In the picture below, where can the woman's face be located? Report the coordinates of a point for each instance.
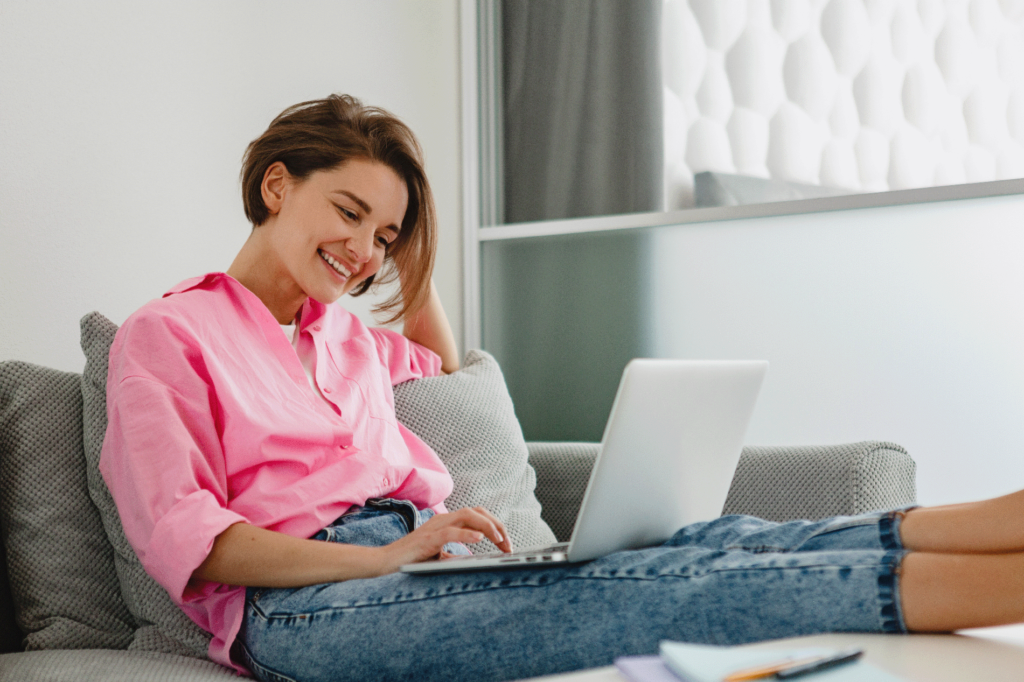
(330, 231)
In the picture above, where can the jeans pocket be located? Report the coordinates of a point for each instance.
(260, 671)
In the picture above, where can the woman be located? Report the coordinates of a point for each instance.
(263, 480)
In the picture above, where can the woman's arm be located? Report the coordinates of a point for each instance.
(255, 557)
(429, 327)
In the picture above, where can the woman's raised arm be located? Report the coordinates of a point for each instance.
(429, 327)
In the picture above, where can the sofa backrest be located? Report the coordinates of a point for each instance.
(63, 587)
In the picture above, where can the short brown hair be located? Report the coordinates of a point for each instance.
(325, 133)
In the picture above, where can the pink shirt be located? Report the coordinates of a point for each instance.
(212, 421)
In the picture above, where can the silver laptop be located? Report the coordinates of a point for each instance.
(667, 459)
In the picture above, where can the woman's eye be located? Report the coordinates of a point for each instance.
(383, 241)
(348, 214)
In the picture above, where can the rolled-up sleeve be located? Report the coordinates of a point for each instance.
(163, 462)
(405, 359)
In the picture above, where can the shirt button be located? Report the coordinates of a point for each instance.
(316, 327)
(327, 390)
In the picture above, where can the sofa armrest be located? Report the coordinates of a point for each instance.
(815, 482)
(775, 483)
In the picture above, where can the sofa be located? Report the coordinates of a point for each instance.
(75, 603)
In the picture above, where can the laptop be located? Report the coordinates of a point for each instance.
(667, 459)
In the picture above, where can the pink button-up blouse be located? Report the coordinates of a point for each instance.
(212, 421)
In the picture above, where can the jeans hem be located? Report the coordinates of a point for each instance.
(889, 582)
(889, 527)
(889, 593)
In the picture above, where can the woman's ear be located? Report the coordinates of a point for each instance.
(275, 180)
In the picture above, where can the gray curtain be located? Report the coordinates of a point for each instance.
(582, 137)
(582, 91)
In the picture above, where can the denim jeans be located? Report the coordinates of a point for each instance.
(733, 580)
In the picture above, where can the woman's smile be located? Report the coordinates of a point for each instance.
(336, 265)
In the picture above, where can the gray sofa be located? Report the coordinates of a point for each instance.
(73, 605)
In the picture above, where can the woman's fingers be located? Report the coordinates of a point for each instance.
(484, 521)
(467, 526)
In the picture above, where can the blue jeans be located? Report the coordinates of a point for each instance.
(733, 580)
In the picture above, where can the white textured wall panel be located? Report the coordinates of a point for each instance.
(865, 96)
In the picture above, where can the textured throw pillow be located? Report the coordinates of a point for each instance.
(162, 626)
(61, 566)
(468, 419)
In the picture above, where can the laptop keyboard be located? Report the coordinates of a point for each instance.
(531, 554)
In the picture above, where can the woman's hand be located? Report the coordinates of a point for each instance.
(468, 525)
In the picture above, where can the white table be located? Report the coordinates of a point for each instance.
(989, 654)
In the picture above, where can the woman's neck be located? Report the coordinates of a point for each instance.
(256, 270)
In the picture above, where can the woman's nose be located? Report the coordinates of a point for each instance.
(361, 247)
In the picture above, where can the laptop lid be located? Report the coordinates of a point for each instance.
(668, 454)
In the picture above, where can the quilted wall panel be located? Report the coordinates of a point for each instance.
(863, 95)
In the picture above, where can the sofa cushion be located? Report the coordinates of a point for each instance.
(110, 666)
(62, 579)
(162, 626)
(468, 419)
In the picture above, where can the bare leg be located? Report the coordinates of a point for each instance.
(989, 526)
(945, 592)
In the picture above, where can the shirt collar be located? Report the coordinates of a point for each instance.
(310, 312)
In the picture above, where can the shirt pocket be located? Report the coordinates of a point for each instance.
(358, 384)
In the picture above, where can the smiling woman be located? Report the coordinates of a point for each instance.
(324, 135)
(264, 480)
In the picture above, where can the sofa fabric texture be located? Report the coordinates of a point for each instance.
(563, 471)
(774, 483)
(61, 566)
(483, 448)
(814, 482)
(99, 665)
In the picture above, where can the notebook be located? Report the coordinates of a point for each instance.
(703, 663)
(667, 459)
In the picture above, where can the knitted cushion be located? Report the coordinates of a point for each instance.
(110, 666)
(162, 626)
(61, 566)
(468, 419)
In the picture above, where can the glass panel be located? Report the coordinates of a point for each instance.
(563, 315)
(899, 323)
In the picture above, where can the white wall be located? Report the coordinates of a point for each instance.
(901, 323)
(122, 126)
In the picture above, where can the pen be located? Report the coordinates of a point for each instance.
(828, 662)
(793, 667)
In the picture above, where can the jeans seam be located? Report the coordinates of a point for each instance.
(407, 600)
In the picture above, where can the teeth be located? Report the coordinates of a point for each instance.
(341, 269)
